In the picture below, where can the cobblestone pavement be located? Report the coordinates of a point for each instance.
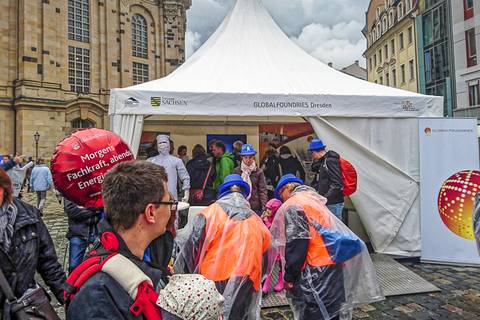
(459, 298)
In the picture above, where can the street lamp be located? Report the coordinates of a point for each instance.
(36, 136)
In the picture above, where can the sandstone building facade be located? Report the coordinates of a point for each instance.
(391, 45)
(60, 58)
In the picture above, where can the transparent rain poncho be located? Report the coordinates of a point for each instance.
(338, 273)
(476, 221)
(227, 243)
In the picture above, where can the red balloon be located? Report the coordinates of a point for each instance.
(80, 162)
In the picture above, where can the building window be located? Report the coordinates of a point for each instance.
(79, 20)
(380, 56)
(402, 73)
(375, 60)
(471, 47)
(386, 51)
(412, 69)
(400, 10)
(385, 24)
(392, 46)
(82, 123)
(381, 80)
(394, 77)
(391, 18)
(139, 37)
(473, 94)
(140, 73)
(408, 5)
(401, 41)
(387, 78)
(410, 35)
(79, 69)
(370, 64)
(467, 9)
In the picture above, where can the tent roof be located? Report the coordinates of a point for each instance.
(250, 67)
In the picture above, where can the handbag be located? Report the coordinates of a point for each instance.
(34, 304)
(197, 194)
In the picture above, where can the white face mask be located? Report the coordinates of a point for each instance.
(163, 147)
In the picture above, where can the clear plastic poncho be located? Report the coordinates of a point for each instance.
(338, 273)
(476, 221)
(227, 243)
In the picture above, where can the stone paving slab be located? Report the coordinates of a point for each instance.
(459, 297)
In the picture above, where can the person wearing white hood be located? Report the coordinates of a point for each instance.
(173, 166)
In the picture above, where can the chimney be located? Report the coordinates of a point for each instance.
(356, 62)
(330, 64)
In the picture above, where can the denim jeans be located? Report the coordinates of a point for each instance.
(336, 209)
(41, 198)
(77, 249)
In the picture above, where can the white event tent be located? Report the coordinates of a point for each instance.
(249, 67)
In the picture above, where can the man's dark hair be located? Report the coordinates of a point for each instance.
(128, 188)
(219, 144)
(182, 148)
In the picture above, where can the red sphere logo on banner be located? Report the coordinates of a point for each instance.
(456, 201)
(81, 160)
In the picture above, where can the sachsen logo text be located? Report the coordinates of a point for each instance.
(165, 101)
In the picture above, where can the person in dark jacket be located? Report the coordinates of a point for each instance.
(290, 164)
(328, 176)
(138, 208)
(271, 168)
(255, 178)
(198, 168)
(25, 247)
(82, 231)
(9, 162)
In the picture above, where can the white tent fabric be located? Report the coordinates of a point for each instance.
(388, 178)
(249, 67)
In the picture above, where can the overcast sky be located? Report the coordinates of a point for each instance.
(328, 30)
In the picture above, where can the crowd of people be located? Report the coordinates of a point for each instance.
(143, 264)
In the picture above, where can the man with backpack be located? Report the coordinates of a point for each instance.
(328, 176)
(118, 280)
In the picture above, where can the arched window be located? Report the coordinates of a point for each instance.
(377, 12)
(82, 123)
(139, 37)
(400, 10)
(385, 27)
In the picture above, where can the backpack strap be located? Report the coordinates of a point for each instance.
(130, 277)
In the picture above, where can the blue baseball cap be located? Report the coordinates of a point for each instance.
(233, 180)
(248, 150)
(316, 145)
(284, 180)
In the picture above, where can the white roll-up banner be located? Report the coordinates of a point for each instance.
(449, 181)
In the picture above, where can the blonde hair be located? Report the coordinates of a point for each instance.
(235, 188)
(289, 186)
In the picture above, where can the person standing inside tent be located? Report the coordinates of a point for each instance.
(202, 176)
(224, 162)
(290, 164)
(328, 176)
(271, 168)
(328, 270)
(228, 243)
(173, 166)
(255, 178)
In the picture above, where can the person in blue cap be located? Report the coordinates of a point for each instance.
(328, 176)
(328, 270)
(254, 176)
(228, 243)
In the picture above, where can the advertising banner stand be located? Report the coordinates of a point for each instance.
(449, 181)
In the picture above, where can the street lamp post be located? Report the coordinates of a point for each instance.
(36, 136)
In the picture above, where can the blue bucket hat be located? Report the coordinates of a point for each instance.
(248, 150)
(316, 145)
(284, 180)
(233, 180)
